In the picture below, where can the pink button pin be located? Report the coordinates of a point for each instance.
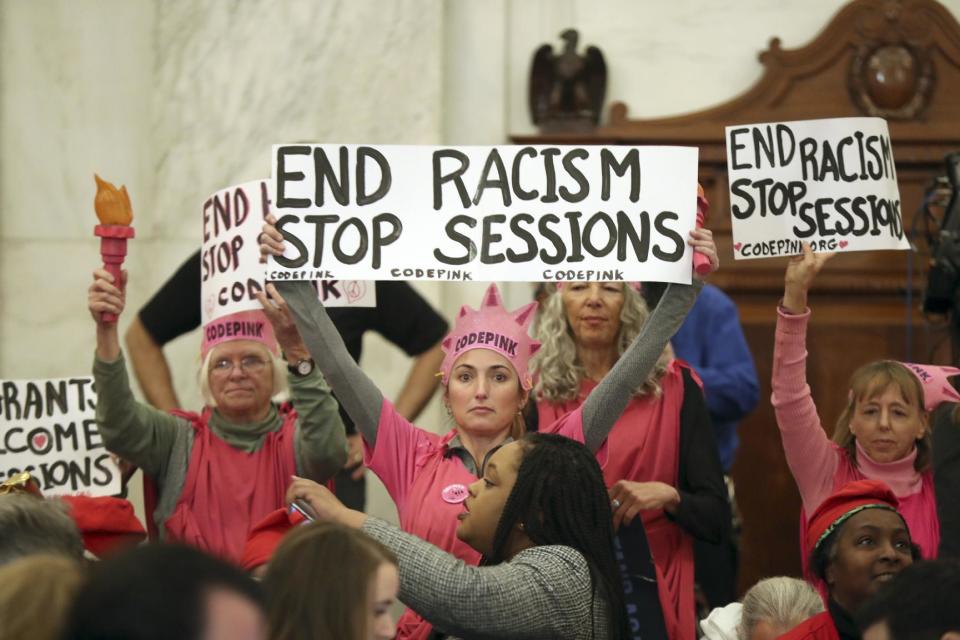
(455, 494)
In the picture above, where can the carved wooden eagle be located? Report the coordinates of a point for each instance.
(567, 90)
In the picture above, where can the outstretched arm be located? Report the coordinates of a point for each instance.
(607, 402)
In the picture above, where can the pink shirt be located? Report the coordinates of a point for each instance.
(644, 446)
(820, 466)
(416, 467)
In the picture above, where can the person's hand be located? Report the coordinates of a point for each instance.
(355, 456)
(271, 240)
(801, 271)
(103, 295)
(702, 241)
(627, 499)
(324, 506)
(284, 328)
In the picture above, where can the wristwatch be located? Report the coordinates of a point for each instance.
(303, 368)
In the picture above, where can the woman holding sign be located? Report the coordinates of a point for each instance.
(883, 432)
(486, 385)
(659, 456)
(224, 469)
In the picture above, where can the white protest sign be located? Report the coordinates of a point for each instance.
(505, 213)
(48, 427)
(831, 183)
(231, 273)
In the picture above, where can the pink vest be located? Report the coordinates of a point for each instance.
(644, 446)
(227, 491)
(415, 469)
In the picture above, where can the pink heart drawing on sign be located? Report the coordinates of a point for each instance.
(843, 244)
(210, 305)
(355, 291)
(39, 441)
(738, 246)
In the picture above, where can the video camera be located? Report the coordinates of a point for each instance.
(944, 278)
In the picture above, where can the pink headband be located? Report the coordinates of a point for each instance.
(243, 325)
(633, 284)
(496, 329)
(936, 387)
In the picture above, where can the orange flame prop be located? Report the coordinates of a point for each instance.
(111, 204)
(115, 213)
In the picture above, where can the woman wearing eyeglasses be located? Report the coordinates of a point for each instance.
(225, 468)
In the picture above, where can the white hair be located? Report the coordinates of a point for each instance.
(781, 602)
(279, 392)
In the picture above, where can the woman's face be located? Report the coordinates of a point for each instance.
(488, 495)
(241, 379)
(872, 547)
(483, 393)
(593, 312)
(383, 593)
(887, 426)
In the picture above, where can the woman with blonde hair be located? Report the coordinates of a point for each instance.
(329, 581)
(883, 431)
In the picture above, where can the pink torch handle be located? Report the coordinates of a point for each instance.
(113, 249)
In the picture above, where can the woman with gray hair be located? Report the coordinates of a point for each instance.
(223, 469)
(769, 609)
(660, 459)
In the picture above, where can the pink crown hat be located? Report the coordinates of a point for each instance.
(496, 329)
(243, 325)
(936, 387)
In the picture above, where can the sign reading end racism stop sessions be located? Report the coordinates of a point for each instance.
(832, 183)
(49, 428)
(506, 213)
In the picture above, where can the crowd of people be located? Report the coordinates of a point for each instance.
(582, 490)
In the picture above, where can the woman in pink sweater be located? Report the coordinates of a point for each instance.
(882, 434)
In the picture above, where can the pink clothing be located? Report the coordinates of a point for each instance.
(415, 467)
(227, 490)
(644, 446)
(819, 465)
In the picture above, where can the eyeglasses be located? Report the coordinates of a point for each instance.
(247, 364)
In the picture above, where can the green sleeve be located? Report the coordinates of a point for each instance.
(136, 432)
(321, 441)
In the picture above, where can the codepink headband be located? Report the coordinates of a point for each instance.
(243, 325)
(496, 329)
(936, 387)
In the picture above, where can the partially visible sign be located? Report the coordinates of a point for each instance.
(231, 273)
(832, 183)
(48, 427)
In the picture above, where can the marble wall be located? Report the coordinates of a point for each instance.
(178, 98)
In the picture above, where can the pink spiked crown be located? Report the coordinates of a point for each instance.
(496, 329)
(934, 380)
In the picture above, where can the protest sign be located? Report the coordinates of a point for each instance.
(506, 213)
(231, 272)
(831, 183)
(48, 427)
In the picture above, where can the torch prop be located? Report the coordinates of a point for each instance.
(115, 214)
(701, 263)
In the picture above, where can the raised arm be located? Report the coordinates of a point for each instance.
(607, 402)
(809, 454)
(134, 431)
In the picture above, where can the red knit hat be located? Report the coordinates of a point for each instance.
(107, 524)
(849, 500)
(265, 537)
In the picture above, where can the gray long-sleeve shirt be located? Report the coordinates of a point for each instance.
(363, 401)
(542, 592)
(160, 443)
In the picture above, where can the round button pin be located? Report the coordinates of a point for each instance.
(455, 493)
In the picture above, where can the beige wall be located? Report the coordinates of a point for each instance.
(178, 98)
